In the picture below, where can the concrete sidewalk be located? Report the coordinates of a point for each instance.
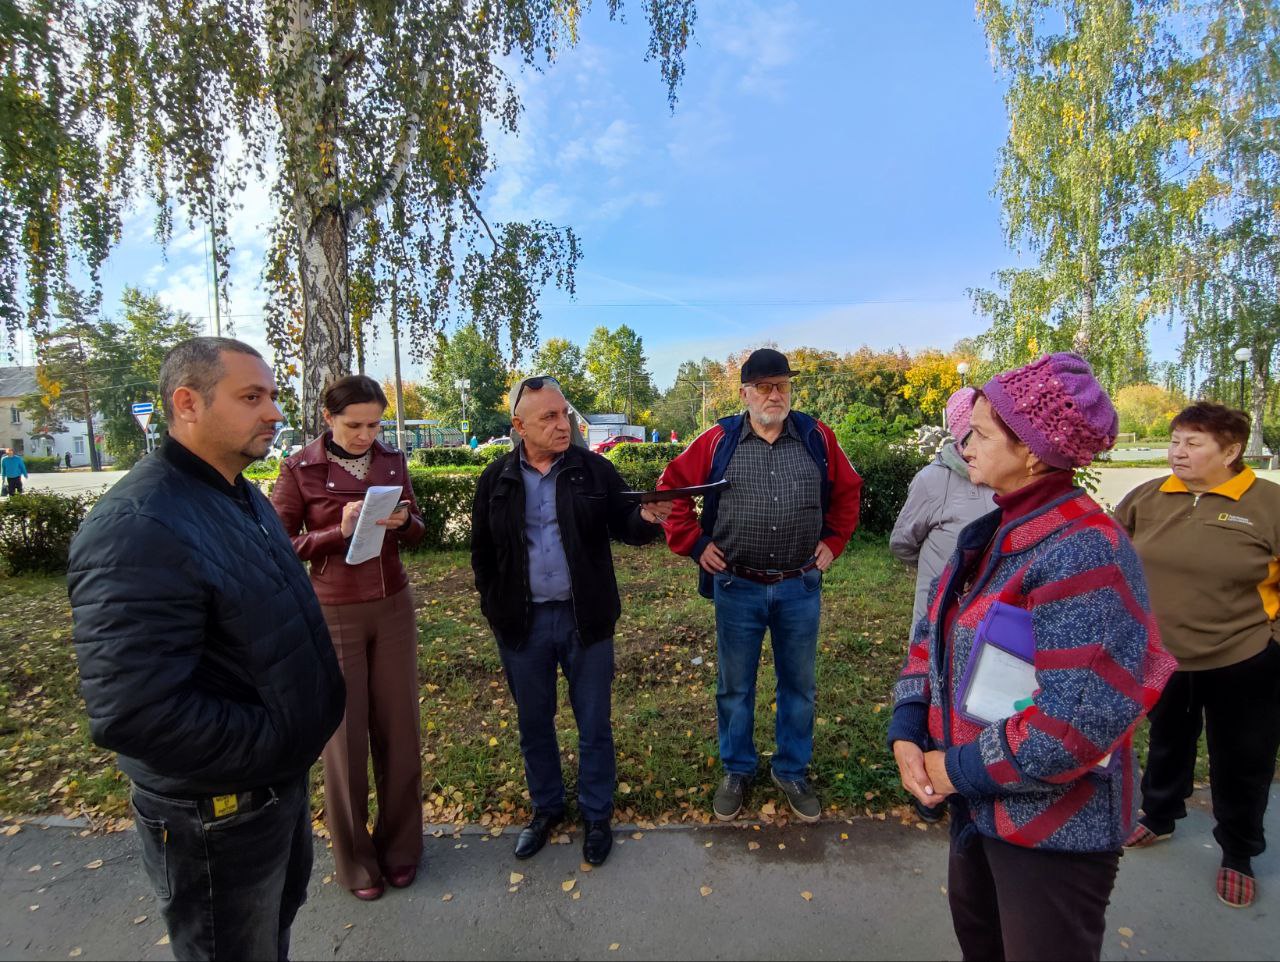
(877, 894)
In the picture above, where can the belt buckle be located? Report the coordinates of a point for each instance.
(774, 576)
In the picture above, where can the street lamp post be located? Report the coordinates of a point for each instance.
(463, 384)
(963, 370)
(1243, 356)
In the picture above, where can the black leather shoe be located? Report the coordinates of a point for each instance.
(597, 843)
(534, 835)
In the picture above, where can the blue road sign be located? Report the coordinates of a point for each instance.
(142, 407)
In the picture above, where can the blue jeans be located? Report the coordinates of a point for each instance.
(228, 887)
(790, 611)
(531, 672)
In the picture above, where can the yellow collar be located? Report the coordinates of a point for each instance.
(1233, 489)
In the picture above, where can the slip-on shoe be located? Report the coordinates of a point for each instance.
(597, 843)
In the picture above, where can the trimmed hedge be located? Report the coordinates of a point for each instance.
(886, 471)
(36, 530)
(444, 457)
(37, 464)
(445, 497)
(641, 464)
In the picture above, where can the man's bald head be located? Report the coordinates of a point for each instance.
(541, 418)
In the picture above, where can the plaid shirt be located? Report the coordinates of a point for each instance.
(771, 515)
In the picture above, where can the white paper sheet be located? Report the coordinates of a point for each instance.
(999, 679)
(379, 504)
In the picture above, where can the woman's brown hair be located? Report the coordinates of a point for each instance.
(353, 389)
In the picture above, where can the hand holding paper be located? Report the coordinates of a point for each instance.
(377, 508)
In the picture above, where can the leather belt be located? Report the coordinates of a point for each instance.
(771, 576)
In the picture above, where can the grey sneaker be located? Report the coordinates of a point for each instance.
(800, 797)
(728, 801)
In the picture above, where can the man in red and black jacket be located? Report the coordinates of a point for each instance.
(762, 545)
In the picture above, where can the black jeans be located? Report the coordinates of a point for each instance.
(13, 485)
(1010, 902)
(531, 672)
(228, 887)
(1239, 708)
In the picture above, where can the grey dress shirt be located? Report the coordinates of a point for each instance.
(548, 566)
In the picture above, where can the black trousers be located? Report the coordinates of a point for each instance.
(1238, 706)
(13, 485)
(228, 886)
(1010, 902)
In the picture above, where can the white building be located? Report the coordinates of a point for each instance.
(16, 427)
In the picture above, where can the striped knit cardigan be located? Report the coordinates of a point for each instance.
(1032, 779)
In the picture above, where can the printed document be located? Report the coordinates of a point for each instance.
(999, 679)
(379, 504)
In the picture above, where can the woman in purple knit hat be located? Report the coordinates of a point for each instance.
(1036, 658)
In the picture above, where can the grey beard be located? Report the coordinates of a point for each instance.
(769, 420)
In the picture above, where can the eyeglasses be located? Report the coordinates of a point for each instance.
(765, 388)
(533, 384)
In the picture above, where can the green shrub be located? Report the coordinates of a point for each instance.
(488, 453)
(37, 464)
(886, 471)
(262, 470)
(1271, 436)
(36, 530)
(640, 464)
(445, 457)
(445, 497)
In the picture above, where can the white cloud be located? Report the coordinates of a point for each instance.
(765, 39)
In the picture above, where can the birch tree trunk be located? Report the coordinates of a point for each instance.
(326, 333)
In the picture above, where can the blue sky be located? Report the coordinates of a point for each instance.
(825, 180)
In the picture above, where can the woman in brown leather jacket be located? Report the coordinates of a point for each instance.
(370, 612)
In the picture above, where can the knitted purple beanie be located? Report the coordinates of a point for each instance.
(1056, 408)
(959, 411)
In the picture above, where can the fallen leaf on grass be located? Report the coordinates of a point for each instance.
(752, 846)
(705, 891)
(95, 864)
(568, 886)
(807, 896)
(1125, 931)
(768, 809)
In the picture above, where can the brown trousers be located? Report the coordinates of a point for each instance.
(377, 647)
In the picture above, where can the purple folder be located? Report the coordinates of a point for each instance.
(1009, 629)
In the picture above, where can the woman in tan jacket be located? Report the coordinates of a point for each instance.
(370, 612)
(1209, 535)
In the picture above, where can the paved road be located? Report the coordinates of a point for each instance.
(876, 895)
(74, 482)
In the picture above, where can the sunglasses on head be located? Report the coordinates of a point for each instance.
(533, 384)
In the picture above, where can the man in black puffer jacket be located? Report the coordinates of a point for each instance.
(205, 661)
(540, 550)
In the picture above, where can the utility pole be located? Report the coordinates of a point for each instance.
(395, 344)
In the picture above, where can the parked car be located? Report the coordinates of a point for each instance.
(502, 441)
(609, 443)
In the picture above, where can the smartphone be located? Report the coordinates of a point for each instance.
(401, 506)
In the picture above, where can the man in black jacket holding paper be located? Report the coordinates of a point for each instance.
(205, 661)
(540, 533)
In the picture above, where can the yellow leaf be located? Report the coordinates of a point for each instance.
(447, 897)
(624, 789)
(576, 896)
(752, 846)
(807, 896)
(782, 845)
(492, 741)
(568, 886)
(614, 946)
(584, 867)
(515, 879)
(1125, 931)
(139, 920)
(705, 891)
(768, 809)
(76, 952)
(96, 863)
(163, 940)
(637, 835)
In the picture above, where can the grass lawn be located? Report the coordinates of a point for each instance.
(664, 709)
